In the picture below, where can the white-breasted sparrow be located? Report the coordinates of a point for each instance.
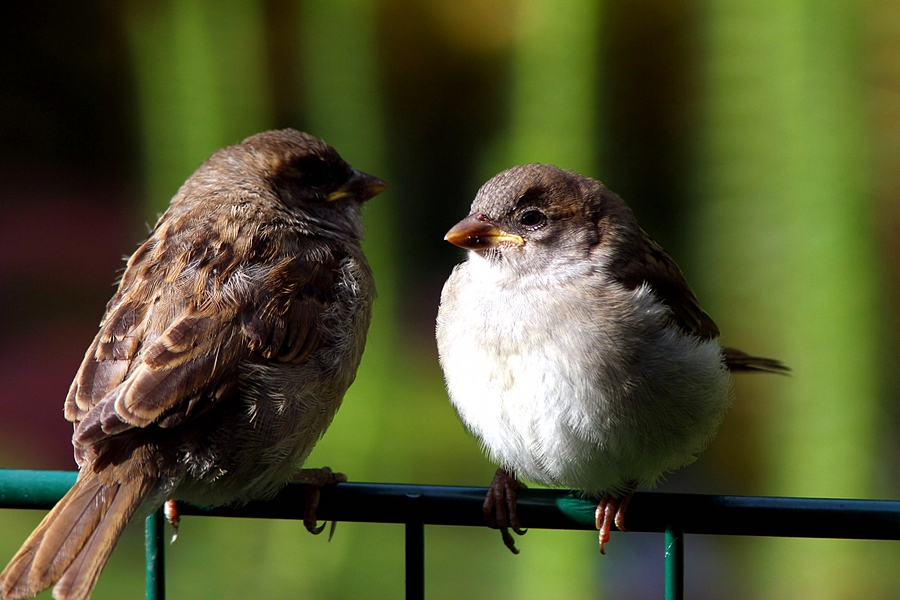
(572, 346)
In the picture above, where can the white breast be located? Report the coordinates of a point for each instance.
(584, 386)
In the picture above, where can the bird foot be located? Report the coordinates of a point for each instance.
(170, 509)
(611, 509)
(314, 479)
(500, 507)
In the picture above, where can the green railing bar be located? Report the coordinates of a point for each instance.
(674, 562)
(415, 560)
(420, 505)
(415, 549)
(33, 489)
(154, 551)
(538, 508)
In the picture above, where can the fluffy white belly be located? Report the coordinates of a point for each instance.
(607, 397)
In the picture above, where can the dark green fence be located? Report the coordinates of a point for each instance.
(418, 505)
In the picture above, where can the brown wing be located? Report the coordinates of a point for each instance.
(655, 267)
(283, 323)
(147, 366)
(660, 271)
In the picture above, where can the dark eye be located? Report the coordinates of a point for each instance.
(532, 219)
(315, 180)
(314, 172)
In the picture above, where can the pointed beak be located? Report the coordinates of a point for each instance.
(477, 232)
(361, 187)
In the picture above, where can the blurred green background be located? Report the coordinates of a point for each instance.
(759, 142)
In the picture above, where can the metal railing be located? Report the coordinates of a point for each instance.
(418, 505)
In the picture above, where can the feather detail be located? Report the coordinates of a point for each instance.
(174, 373)
(658, 269)
(75, 539)
(741, 362)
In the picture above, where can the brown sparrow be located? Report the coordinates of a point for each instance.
(572, 346)
(223, 356)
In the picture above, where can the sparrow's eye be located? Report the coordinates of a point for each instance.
(314, 172)
(532, 219)
(316, 179)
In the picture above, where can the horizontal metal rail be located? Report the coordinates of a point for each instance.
(418, 505)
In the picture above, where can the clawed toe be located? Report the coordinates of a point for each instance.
(611, 509)
(500, 508)
(315, 479)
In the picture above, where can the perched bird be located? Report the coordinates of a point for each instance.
(222, 358)
(573, 348)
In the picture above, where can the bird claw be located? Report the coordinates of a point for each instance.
(499, 508)
(313, 527)
(314, 479)
(170, 510)
(611, 509)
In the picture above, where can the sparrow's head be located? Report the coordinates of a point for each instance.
(306, 177)
(306, 171)
(535, 215)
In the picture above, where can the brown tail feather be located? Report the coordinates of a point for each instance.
(741, 362)
(73, 542)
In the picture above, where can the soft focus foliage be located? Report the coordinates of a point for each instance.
(757, 141)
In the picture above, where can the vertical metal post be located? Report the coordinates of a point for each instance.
(154, 552)
(674, 561)
(415, 550)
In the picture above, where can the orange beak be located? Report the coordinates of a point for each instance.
(477, 232)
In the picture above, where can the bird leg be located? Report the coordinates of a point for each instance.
(314, 479)
(170, 509)
(500, 507)
(612, 509)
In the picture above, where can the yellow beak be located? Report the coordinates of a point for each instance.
(477, 232)
(361, 186)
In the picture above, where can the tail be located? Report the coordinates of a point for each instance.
(741, 362)
(71, 545)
